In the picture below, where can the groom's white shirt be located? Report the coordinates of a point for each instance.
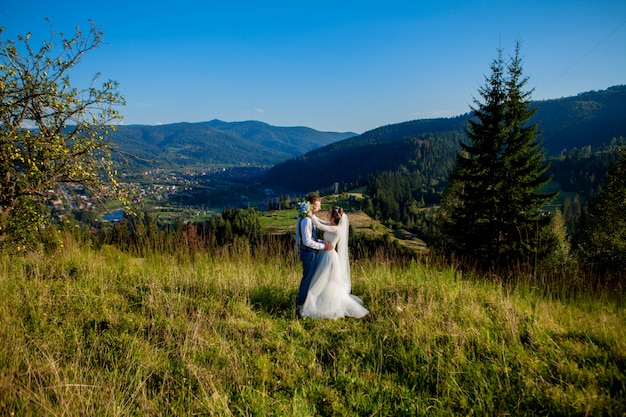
(305, 226)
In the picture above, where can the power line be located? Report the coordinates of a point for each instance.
(584, 56)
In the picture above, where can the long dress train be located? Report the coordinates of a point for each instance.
(329, 293)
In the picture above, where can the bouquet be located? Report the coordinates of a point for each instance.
(304, 209)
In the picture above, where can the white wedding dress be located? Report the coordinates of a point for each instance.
(329, 294)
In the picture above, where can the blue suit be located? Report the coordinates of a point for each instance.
(306, 236)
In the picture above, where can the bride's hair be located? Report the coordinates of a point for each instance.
(335, 214)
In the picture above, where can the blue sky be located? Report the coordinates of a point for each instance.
(330, 65)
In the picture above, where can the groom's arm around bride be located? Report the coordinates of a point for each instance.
(309, 244)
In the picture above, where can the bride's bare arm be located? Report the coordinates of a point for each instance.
(324, 225)
(326, 222)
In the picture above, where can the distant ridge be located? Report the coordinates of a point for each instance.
(290, 140)
(592, 118)
(249, 143)
(303, 159)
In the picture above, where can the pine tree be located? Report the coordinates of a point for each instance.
(490, 209)
(523, 169)
(557, 243)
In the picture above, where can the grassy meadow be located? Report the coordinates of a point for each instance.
(90, 332)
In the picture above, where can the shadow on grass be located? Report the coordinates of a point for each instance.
(274, 301)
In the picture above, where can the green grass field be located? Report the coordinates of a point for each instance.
(284, 221)
(88, 332)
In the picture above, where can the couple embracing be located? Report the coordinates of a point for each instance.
(325, 289)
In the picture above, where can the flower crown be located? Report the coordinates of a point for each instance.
(304, 209)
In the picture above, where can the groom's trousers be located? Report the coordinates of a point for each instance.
(308, 257)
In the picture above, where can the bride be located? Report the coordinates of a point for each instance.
(329, 292)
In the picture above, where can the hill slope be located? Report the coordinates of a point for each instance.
(218, 143)
(103, 332)
(588, 119)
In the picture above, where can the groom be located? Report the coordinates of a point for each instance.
(306, 237)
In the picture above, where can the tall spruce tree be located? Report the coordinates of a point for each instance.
(491, 208)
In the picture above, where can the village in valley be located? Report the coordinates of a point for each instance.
(189, 195)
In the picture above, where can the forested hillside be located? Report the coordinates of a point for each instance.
(293, 141)
(589, 119)
(427, 145)
(189, 145)
(192, 145)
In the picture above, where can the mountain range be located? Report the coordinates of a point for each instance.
(302, 159)
(217, 143)
(429, 146)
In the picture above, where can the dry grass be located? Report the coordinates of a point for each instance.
(103, 333)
